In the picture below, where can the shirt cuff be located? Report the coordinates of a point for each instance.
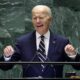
(72, 56)
(7, 58)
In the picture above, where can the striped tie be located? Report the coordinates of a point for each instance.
(41, 52)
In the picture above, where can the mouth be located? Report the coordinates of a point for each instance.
(40, 25)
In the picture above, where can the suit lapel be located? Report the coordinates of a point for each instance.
(33, 45)
(52, 45)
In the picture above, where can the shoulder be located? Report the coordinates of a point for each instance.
(60, 38)
(26, 37)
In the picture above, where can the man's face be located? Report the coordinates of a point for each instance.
(41, 20)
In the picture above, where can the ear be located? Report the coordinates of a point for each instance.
(50, 18)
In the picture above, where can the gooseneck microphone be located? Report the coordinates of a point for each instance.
(48, 60)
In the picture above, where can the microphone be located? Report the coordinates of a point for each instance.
(32, 59)
(51, 65)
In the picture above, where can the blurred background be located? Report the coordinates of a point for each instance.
(15, 20)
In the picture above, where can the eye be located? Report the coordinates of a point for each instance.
(34, 18)
(41, 17)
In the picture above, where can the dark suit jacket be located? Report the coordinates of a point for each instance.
(25, 50)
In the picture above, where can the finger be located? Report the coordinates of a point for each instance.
(69, 47)
(8, 51)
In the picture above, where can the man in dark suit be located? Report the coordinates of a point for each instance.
(57, 48)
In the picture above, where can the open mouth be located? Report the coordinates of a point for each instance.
(41, 25)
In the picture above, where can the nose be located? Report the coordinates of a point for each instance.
(37, 20)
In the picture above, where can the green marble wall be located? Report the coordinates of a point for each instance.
(15, 20)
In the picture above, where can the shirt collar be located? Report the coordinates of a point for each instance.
(46, 35)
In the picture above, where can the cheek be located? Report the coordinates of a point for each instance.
(33, 22)
(47, 23)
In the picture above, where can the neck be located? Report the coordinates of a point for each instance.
(42, 33)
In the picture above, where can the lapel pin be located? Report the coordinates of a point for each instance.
(54, 42)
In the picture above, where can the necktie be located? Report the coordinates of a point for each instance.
(41, 51)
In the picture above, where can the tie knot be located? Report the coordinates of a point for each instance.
(42, 37)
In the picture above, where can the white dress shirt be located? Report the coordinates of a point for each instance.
(46, 41)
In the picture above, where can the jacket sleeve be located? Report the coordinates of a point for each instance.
(76, 64)
(5, 65)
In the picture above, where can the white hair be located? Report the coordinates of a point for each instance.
(43, 6)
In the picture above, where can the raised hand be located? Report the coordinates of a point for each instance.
(70, 50)
(8, 51)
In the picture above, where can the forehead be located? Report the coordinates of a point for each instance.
(39, 10)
